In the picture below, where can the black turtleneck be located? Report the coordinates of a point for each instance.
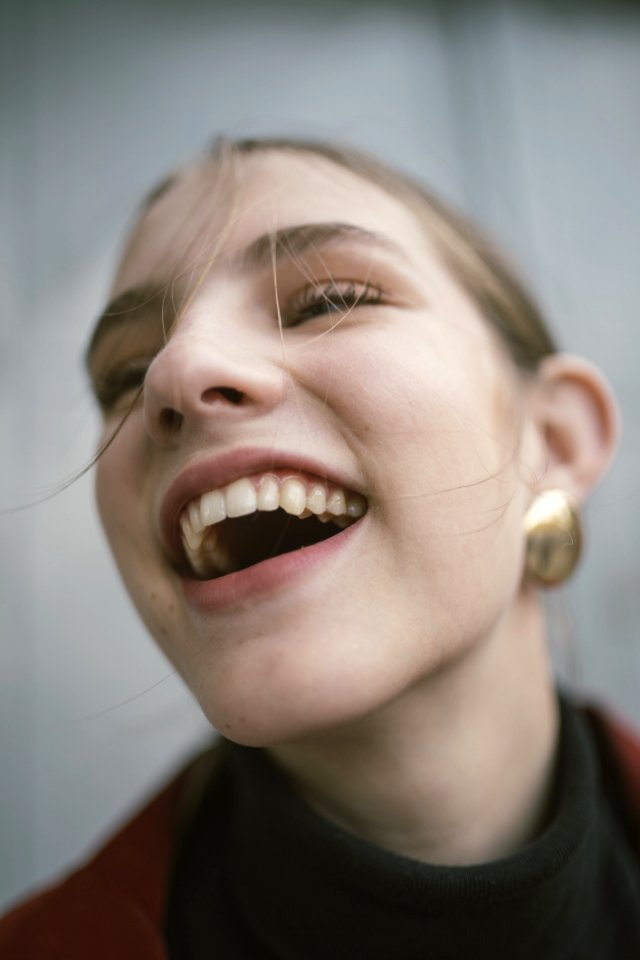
(259, 876)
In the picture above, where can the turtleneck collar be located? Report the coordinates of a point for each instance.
(301, 888)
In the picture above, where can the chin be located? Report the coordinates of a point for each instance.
(260, 705)
(261, 724)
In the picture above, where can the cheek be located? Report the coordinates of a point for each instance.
(120, 486)
(123, 499)
(448, 414)
(107, 499)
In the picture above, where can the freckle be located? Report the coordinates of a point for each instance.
(153, 595)
(171, 608)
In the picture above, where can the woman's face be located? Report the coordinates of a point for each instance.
(304, 341)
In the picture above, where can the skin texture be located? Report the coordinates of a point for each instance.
(403, 684)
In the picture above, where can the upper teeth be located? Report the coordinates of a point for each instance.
(264, 492)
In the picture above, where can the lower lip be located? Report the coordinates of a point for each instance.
(266, 577)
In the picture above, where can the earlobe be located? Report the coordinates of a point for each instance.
(578, 422)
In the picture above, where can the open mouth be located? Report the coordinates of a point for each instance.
(260, 517)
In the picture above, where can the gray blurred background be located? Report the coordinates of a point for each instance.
(525, 114)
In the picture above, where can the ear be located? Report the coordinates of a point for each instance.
(578, 423)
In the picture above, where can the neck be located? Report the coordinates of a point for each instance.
(459, 769)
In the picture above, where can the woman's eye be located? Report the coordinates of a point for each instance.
(331, 298)
(116, 383)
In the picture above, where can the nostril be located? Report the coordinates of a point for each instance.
(227, 393)
(170, 419)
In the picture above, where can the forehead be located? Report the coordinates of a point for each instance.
(211, 212)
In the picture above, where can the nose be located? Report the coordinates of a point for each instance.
(194, 383)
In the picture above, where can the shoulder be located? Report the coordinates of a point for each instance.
(114, 905)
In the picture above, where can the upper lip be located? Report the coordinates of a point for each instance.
(210, 473)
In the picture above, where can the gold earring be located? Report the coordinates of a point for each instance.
(554, 538)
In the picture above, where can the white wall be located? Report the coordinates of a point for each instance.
(526, 114)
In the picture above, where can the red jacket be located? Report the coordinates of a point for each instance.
(113, 908)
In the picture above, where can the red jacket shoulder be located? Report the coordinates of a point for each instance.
(114, 905)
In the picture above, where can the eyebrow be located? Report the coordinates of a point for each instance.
(297, 239)
(265, 251)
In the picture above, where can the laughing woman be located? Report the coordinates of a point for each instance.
(341, 459)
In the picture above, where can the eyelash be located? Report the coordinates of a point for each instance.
(117, 382)
(333, 297)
